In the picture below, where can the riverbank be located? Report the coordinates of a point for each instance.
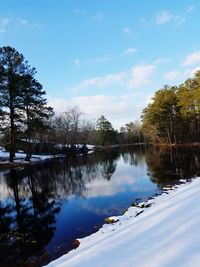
(164, 145)
(106, 147)
(20, 161)
(165, 234)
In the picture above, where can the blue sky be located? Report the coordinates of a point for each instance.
(106, 56)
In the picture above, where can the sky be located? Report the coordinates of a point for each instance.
(106, 56)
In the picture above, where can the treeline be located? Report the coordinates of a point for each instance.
(173, 116)
(70, 128)
(28, 123)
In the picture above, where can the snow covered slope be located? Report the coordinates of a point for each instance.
(165, 235)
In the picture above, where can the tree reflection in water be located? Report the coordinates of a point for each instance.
(27, 216)
(170, 165)
(30, 216)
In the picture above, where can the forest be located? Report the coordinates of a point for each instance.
(173, 116)
(27, 122)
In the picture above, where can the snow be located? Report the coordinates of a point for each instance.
(164, 235)
(20, 156)
(91, 147)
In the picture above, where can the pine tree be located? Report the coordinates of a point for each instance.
(173, 116)
(23, 106)
(12, 68)
(105, 131)
(36, 112)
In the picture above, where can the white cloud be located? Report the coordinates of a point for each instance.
(132, 78)
(24, 23)
(172, 75)
(193, 71)
(97, 17)
(193, 58)
(140, 75)
(17, 23)
(100, 104)
(166, 16)
(99, 82)
(92, 106)
(190, 9)
(162, 60)
(4, 22)
(130, 50)
(77, 62)
(163, 17)
(118, 109)
(128, 31)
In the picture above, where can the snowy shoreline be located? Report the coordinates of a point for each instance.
(20, 161)
(165, 234)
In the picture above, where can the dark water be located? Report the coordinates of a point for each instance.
(44, 208)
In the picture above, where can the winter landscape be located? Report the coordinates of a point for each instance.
(99, 133)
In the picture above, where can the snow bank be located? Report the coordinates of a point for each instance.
(164, 235)
(20, 157)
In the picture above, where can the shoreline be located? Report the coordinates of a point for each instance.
(169, 218)
(6, 165)
(176, 145)
(19, 160)
(41, 158)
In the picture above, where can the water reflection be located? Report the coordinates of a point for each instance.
(169, 165)
(44, 207)
(28, 218)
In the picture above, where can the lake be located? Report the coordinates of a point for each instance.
(44, 208)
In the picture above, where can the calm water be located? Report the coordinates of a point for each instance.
(44, 208)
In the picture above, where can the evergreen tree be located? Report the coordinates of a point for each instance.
(35, 110)
(23, 106)
(12, 68)
(105, 131)
(163, 114)
(173, 116)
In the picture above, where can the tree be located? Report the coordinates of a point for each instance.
(87, 132)
(75, 116)
(36, 112)
(67, 126)
(173, 116)
(131, 132)
(12, 69)
(189, 104)
(105, 131)
(162, 114)
(22, 100)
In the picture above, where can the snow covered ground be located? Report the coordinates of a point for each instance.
(19, 157)
(167, 234)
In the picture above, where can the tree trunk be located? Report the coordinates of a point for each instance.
(12, 134)
(169, 138)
